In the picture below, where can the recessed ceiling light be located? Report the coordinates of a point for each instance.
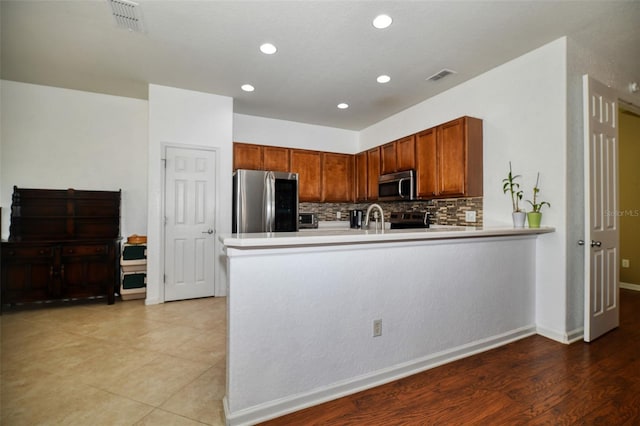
(247, 88)
(382, 21)
(383, 79)
(343, 106)
(268, 49)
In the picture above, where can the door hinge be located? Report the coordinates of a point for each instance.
(164, 278)
(164, 162)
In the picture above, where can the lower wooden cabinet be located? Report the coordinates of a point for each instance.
(36, 271)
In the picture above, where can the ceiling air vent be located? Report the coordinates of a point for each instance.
(440, 75)
(127, 14)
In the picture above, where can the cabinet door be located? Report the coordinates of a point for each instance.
(275, 158)
(337, 177)
(86, 270)
(308, 165)
(405, 153)
(27, 274)
(247, 156)
(451, 158)
(388, 158)
(361, 176)
(373, 172)
(426, 164)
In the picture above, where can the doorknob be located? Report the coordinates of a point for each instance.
(580, 242)
(208, 231)
(595, 243)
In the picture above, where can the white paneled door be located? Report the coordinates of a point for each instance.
(602, 309)
(189, 223)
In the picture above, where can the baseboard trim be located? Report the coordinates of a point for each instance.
(290, 404)
(629, 286)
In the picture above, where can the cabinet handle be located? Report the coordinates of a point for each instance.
(62, 272)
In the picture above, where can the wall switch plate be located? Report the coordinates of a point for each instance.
(377, 328)
(625, 263)
(470, 216)
(338, 215)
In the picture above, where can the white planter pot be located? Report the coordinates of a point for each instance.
(519, 219)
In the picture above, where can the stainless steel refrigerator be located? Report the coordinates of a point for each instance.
(265, 201)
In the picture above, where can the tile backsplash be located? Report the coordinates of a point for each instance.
(448, 211)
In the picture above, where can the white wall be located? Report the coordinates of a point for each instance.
(523, 105)
(184, 117)
(59, 138)
(268, 131)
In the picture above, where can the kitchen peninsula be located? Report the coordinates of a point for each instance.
(302, 306)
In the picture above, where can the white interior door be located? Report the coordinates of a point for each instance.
(602, 310)
(189, 223)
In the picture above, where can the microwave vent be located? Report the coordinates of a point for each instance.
(127, 14)
(441, 74)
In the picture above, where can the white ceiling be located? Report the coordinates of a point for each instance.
(328, 51)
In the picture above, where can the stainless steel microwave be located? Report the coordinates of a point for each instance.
(400, 186)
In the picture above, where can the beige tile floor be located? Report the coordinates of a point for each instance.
(123, 364)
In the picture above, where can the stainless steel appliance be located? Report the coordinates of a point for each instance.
(307, 221)
(407, 220)
(265, 201)
(355, 218)
(397, 186)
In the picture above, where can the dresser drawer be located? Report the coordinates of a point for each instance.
(85, 250)
(16, 252)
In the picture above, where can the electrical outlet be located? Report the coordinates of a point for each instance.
(625, 263)
(377, 328)
(338, 215)
(470, 216)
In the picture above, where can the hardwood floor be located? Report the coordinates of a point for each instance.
(531, 381)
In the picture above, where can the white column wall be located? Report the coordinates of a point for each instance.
(523, 105)
(184, 117)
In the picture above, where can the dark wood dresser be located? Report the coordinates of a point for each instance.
(63, 245)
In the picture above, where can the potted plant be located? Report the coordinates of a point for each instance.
(535, 216)
(510, 185)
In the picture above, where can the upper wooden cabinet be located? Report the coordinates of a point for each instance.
(275, 158)
(337, 177)
(373, 172)
(449, 159)
(361, 176)
(308, 165)
(426, 164)
(398, 155)
(388, 158)
(247, 156)
(260, 157)
(405, 153)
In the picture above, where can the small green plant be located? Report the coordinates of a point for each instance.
(537, 206)
(510, 185)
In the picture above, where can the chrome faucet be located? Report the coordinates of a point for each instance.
(366, 216)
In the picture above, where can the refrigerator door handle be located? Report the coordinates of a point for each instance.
(269, 201)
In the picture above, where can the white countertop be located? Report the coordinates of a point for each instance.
(333, 233)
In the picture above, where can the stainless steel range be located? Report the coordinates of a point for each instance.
(407, 220)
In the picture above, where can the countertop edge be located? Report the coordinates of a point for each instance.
(341, 237)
